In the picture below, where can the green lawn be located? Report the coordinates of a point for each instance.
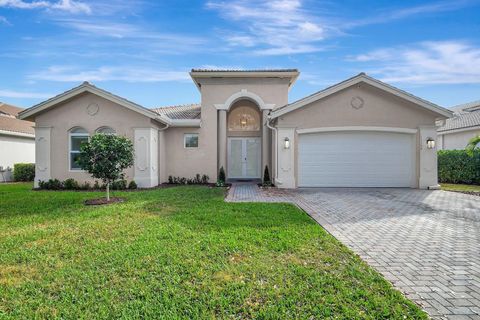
(460, 187)
(178, 253)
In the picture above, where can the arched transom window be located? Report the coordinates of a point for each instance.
(77, 136)
(106, 130)
(244, 118)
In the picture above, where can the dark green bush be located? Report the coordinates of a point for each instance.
(221, 178)
(132, 185)
(119, 185)
(266, 177)
(71, 184)
(459, 166)
(23, 171)
(198, 179)
(52, 184)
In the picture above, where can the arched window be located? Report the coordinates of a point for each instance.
(105, 130)
(244, 118)
(77, 136)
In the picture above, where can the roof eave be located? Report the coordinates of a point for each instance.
(196, 75)
(355, 80)
(86, 87)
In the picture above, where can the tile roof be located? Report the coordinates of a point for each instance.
(242, 70)
(186, 111)
(9, 122)
(466, 115)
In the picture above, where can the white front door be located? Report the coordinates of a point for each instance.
(244, 158)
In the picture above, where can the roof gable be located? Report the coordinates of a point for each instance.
(87, 87)
(362, 77)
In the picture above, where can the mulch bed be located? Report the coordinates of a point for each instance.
(102, 201)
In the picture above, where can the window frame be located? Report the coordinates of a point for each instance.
(185, 135)
(70, 151)
(100, 129)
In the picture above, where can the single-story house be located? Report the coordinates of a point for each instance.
(459, 129)
(17, 141)
(357, 133)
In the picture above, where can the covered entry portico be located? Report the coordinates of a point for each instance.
(243, 137)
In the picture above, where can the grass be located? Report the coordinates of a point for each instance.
(178, 253)
(460, 187)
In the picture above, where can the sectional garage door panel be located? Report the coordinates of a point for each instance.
(356, 159)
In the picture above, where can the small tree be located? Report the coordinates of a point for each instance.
(105, 157)
(266, 177)
(221, 178)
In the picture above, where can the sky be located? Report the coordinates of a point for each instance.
(143, 50)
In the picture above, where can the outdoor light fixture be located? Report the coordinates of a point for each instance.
(286, 143)
(430, 143)
(243, 122)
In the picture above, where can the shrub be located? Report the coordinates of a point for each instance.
(71, 184)
(97, 185)
(221, 178)
(119, 185)
(52, 184)
(86, 186)
(266, 177)
(132, 185)
(24, 171)
(459, 166)
(170, 179)
(198, 179)
(205, 179)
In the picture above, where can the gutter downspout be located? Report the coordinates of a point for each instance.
(276, 150)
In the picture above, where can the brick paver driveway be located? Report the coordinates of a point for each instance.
(427, 243)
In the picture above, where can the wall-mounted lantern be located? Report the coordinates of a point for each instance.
(430, 143)
(286, 143)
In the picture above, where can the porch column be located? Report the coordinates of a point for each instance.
(265, 144)
(222, 139)
(42, 154)
(146, 157)
(428, 159)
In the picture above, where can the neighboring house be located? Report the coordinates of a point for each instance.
(463, 126)
(358, 133)
(17, 141)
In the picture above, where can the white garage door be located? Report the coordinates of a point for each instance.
(356, 159)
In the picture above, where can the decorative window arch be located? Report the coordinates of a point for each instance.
(106, 130)
(244, 118)
(77, 136)
(247, 95)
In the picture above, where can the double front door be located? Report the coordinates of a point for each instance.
(244, 157)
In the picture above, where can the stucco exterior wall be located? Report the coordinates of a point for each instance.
(457, 140)
(15, 150)
(74, 113)
(217, 91)
(380, 109)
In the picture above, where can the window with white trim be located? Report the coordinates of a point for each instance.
(76, 137)
(106, 130)
(190, 140)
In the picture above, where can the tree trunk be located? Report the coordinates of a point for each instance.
(108, 191)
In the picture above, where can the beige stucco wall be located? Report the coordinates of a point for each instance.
(457, 140)
(380, 109)
(217, 91)
(73, 113)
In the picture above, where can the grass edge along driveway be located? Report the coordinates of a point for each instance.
(179, 253)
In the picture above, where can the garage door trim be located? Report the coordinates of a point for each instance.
(358, 128)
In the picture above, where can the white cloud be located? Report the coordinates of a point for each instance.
(4, 21)
(24, 95)
(106, 73)
(446, 62)
(272, 27)
(69, 6)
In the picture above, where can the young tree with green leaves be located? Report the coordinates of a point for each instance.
(473, 144)
(105, 156)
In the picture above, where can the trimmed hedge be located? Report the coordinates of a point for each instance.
(459, 166)
(24, 171)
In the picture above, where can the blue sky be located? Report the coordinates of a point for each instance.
(143, 50)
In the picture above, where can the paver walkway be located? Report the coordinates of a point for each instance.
(427, 243)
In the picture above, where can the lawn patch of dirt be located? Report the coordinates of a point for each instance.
(102, 201)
